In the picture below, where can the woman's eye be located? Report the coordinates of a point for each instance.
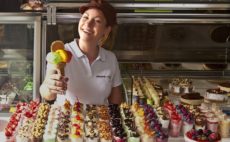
(84, 17)
(98, 21)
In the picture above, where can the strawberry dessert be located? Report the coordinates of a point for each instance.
(202, 136)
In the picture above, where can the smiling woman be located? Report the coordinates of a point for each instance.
(93, 72)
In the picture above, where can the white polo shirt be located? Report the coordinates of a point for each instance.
(91, 84)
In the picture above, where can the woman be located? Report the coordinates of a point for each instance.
(93, 73)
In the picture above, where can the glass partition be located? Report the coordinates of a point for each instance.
(19, 59)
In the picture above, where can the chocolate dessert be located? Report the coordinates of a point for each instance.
(193, 98)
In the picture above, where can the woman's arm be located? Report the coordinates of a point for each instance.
(115, 96)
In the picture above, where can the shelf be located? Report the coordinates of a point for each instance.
(181, 73)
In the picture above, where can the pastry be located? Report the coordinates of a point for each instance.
(193, 98)
(180, 86)
(216, 95)
(225, 87)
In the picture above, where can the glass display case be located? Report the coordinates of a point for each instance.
(159, 41)
(20, 50)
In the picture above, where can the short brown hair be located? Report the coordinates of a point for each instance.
(107, 9)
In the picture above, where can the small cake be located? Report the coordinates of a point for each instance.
(225, 87)
(180, 86)
(216, 95)
(193, 98)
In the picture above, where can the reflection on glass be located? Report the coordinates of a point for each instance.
(16, 64)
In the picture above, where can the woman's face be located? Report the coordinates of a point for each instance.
(92, 25)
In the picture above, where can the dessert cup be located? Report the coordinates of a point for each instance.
(224, 128)
(212, 124)
(175, 127)
(186, 127)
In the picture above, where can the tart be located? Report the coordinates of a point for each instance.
(225, 87)
(217, 95)
(192, 98)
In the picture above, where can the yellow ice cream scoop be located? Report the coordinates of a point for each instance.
(58, 53)
(65, 55)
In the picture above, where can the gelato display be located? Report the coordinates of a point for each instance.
(39, 122)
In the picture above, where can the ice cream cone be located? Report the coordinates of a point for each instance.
(61, 67)
(58, 57)
(52, 68)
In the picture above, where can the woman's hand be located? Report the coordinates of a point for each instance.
(53, 84)
(56, 83)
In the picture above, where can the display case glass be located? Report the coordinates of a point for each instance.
(190, 45)
(19, 58)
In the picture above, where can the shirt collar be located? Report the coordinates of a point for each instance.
(79, 53)
(101, 54)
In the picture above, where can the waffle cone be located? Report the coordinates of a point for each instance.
(61, 67)
(53, 67)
